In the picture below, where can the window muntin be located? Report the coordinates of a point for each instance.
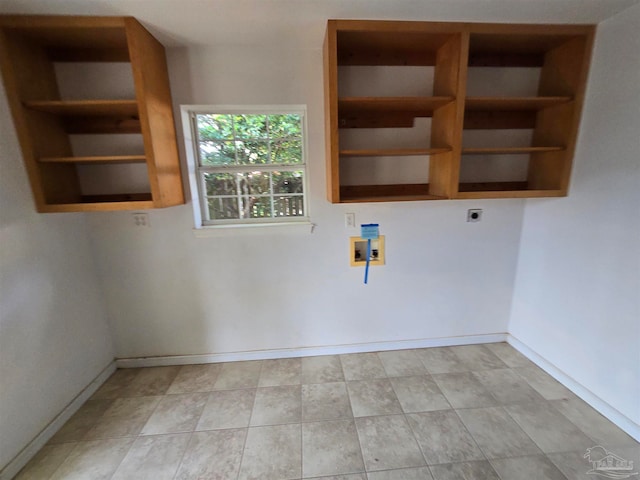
(251, 167)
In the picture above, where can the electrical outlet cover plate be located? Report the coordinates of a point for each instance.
(474, 215)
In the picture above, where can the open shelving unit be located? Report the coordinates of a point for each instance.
(47, 123)
(559, 57)
(505, 164)
(435, 56)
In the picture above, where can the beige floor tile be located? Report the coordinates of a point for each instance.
(464, 390)
(322, 369)
(443, 438)
(496, 433)
(401, 363)
(509, 355)
(237, 375)
(478, 470)
(95, 460)
(477, 357)
(330, 448)
(507, 386)
(548, 428)
(573, 465)
(124, 418)
(272, 453)
(527, 468)
(420, 473)
(227, 409)
(150, 381)
(45, 462)
(441, 360)
(325, 401)
(195, 378)
(116, 383)
(355, 476)
(361, 366)
(284, 371)
(276, 405)
(373, 397)
(176, 414)
(77, 427)
(153, 458)
(419, 394)
(597, 427)
(543, 383)
(213, 455)
(387, 443)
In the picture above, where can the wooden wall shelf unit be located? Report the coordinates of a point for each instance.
(30, 48)
(558, 54)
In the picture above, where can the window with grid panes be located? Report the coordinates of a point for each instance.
(251, 167)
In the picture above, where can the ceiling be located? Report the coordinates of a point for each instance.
(301, 23)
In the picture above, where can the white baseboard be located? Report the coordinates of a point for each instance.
(619, 419)
(27, 453)
(162, 361)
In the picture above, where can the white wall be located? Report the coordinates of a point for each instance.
(170, 293)
(577, 295)
(54, 336)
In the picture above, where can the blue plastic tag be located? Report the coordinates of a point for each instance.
(369, 231)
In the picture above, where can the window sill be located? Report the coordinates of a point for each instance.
(261, 229)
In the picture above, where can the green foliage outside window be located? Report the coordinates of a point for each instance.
(266, 145)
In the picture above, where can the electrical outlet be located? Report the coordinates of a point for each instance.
(141, 219)
(474, 215)
(350, 220)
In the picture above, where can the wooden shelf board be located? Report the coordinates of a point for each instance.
(69, 31)
(98, 54)
(393, 152)
(512, 103)
(508, 150)
(389, 46)
(502, 190)
(510, 194)
(515, 42)
(101, 108)
(386, 193)
(505, 59)
(96, 203)
(415, 105)
(96, 159)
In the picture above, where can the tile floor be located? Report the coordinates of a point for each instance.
(478, 412)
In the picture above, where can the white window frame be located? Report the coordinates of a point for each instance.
(188, 113)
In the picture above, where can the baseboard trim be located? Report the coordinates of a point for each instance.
(162, 361)
(27, 453)
(610, 412)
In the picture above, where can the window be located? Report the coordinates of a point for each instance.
(250, 164)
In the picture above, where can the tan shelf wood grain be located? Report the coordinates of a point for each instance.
(96, 159)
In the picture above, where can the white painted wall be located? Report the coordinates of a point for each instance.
(577, 295)
(170, 293)
(54, 335)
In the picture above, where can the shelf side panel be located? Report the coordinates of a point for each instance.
(446, 126)
(547, 170)
(28, 75)
(331, 113)
(562, 71)
(565, 70)
(554, 126)
(153, 93)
